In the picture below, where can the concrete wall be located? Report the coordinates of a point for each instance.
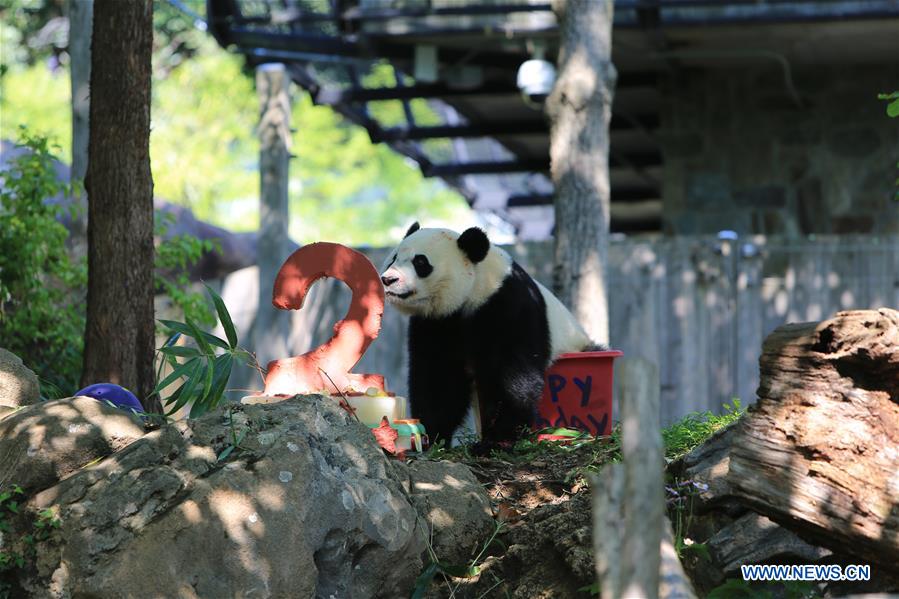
(741, 155)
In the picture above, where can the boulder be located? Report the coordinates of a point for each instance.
(287, 499)
(455, 506)
(43, 443)
(18, 384)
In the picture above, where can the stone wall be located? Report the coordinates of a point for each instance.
(741, 155)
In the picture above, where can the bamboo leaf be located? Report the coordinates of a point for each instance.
(174, 376)
(193, 379)
(423, 582)
(180, 351)
(224, 317)
(198, 336)
(179, 400)
(198, 409)
(225, 453)
(223, 366)
(185, 329)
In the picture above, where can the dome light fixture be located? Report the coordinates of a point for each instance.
(536, 77)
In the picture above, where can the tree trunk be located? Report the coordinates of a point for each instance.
(119, 336)
(81, 14)
(580, 108)
(269, 333)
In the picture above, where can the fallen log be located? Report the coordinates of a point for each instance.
(821, 447)
(811, 473)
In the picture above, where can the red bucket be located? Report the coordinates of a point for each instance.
(577, 393)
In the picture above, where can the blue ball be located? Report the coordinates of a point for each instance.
(118, 396)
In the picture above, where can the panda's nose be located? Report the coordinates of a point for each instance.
(388, 281)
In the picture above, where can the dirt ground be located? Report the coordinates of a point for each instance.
(541, 501)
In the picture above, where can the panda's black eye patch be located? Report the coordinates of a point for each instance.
(422, 267)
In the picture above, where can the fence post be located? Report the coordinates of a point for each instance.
(630, 526)
(270, 328)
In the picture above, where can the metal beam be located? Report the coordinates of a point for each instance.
(532, 165)
(503, 129)
(618, 194)
(490, 129)
(470, 9)
(485, 168)
(645, 225)
(331, 96)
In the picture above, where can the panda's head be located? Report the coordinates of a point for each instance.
(436, 272)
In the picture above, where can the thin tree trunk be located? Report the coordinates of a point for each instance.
(119, 336)
(269, 337)
(81, 15)
(580, 108)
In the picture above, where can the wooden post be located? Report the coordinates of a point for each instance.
(630, 529)
(271, 326)
(580, 108)
(81, 17)
(641, 452)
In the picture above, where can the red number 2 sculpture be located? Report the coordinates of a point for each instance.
(328, 366)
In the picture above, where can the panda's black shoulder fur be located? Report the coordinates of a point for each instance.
(501, 350)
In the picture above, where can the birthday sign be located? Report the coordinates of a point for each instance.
(577, 393)
(329, 366)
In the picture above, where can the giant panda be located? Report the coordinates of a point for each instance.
(479, 324)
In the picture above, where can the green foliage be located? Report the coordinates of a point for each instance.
(469, 570)
(33, 30)
(354, 191)
(236, 439)
(173, 259)
(204, 152)
(692, 430)
(206, 365)
(892, 100)
(42, 298)
(42, 290)
(892, 103)
(17, 547)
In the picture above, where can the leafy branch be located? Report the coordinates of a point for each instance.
(206, 365)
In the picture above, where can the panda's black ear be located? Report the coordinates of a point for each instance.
(474, 243)
(415, 227)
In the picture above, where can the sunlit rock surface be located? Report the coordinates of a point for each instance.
(43, 443)
(18, 384)
(305, 504)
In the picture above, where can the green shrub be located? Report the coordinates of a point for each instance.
(42, 298)
(174, 256)
(694, 429)
(43, 290)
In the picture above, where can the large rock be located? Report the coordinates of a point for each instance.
(18, 385)
(43, 443)
(307, 505)
(454, 505)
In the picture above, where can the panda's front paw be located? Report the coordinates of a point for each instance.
(484, 447)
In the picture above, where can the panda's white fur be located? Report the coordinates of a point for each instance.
(457, 284)
(476, 317)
